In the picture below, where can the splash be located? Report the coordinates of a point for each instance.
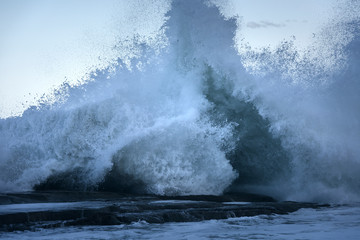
(188, 114)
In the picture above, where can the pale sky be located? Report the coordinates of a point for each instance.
(43, 42)
(267, 22)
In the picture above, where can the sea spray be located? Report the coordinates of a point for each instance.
(191, 115)
(149, 125)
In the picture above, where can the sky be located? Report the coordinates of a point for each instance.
(267, 22)
(44, 43)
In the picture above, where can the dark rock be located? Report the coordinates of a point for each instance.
(114, 209)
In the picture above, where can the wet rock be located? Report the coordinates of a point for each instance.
(28, 211)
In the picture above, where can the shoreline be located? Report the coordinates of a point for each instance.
(53, 209)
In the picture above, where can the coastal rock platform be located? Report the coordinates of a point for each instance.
(34, 210)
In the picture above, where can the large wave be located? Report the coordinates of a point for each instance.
(188, 114)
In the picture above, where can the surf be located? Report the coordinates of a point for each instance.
(188, 114)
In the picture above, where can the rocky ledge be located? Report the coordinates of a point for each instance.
(33, 210)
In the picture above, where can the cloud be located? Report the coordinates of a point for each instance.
(291, 20)
(264, 24)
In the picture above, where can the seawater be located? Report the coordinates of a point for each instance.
(337, 222)
(187, 113)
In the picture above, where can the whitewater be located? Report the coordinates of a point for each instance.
(337, 223)
(187, 114)
(191, 110)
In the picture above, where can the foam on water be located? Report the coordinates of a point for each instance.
(188, 114)
(330, 223)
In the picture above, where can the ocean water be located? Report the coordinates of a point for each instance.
(337, 222)
(186, 113)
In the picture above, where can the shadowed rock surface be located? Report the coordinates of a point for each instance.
(29, 211)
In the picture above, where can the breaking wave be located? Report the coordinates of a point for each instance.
(188, 114)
